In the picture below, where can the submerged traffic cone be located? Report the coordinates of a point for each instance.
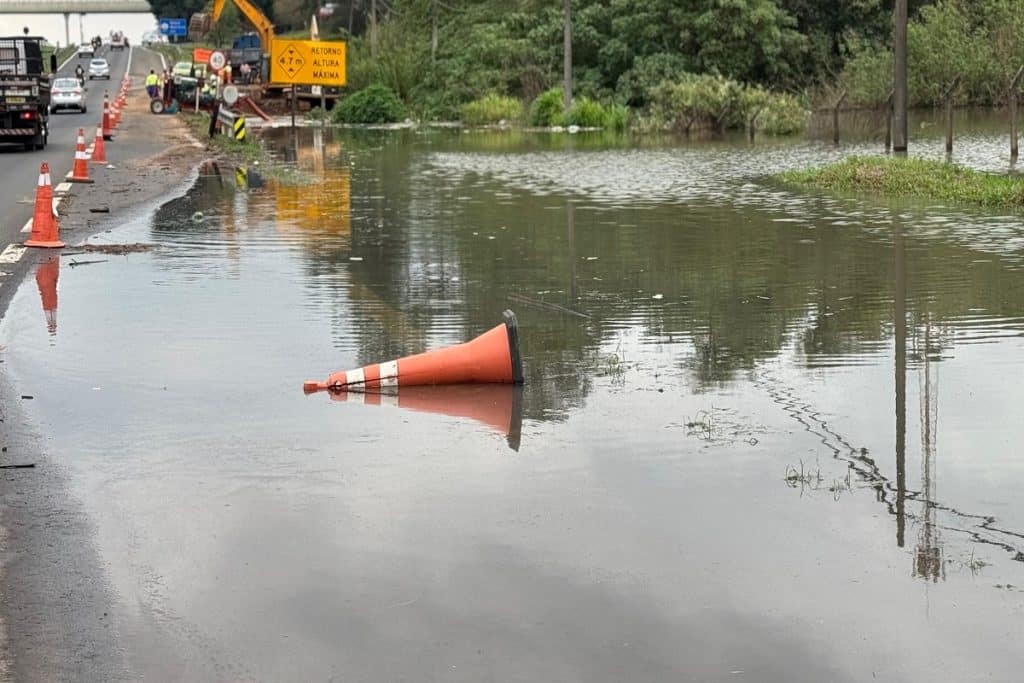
(46, 278)
(107, 134)
(99, 152)
(44, 219)
(499, 406)
(80, 171)
(493, 357)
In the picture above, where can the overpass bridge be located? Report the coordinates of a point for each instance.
(69, 7)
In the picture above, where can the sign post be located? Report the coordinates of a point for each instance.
(307, 62)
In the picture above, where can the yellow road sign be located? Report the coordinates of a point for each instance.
(307, 62)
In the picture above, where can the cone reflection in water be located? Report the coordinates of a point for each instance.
(46, 278)
(493, 357)
(499, 406)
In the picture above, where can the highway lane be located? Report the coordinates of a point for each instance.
(19, 170)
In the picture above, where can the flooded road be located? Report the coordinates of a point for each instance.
(764, 435)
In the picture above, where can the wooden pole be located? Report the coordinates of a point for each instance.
(899, 81)
(753, 123)
(433, 32)
(1013, 96)
(835, 117)
(948, 99)
(888, 122)
(373, 28)
(567, 61)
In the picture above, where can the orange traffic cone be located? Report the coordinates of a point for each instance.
(499, 406)
(80, 171)
(44, 220)
(493, 357)
(46, 278)
(99, 152)
(107, 134)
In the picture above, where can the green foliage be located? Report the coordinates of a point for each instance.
(717, 103)
(586, 113)
(979, 41)
(903, 177)
(374, 104)
(491, 108)
(616, 117)
(548, 109)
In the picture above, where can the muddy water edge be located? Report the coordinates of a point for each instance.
(765, 435)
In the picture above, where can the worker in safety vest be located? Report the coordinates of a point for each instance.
(151, 84)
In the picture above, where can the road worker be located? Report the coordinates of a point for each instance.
(151, 84)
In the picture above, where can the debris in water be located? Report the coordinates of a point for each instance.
(27, 396)
(197, 217)
(117, 248)
(18, 467)
(100, 209)
(85, 263)
(658, 296)
(355, 258)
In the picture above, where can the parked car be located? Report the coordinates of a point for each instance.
(99, 68)
(67, 93)
(86, 50)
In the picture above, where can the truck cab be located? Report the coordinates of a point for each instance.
(25, 86)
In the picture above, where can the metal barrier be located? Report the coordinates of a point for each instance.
(231, 124)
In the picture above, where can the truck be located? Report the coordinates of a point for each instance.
(244, 50)
(117, 40)
(25, 91)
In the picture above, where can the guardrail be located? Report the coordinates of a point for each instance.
(231, 123)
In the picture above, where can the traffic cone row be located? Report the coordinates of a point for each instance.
(45, 227)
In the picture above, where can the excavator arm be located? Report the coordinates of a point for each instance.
(257, 18)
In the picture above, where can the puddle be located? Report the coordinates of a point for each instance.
(758, 428)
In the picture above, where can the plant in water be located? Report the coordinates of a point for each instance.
(374, 104)
(548, 109)
(491, 108)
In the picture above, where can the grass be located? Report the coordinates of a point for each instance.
(491, 109)
(902, 177)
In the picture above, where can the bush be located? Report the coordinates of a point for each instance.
(373, 104)
(491, 109)
(548, 109)
(714, 102)
(616, 117)
(586, 113)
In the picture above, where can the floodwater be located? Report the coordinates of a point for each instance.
(764, 435)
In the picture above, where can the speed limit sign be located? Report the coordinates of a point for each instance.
(217, 60)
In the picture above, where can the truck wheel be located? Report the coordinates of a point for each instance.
(156, 106)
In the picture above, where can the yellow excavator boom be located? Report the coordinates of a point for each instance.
(204, 23)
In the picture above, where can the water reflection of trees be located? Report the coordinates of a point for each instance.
(737, 286)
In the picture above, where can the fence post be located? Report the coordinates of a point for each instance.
(888, 121)
(948, 98)
(835, 117)
(1013, 95)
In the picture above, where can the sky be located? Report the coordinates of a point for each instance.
(51, 26)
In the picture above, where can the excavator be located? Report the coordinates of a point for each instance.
(243, 48)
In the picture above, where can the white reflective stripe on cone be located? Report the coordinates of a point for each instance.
(389, 374)
(355, 377)
(42, 180)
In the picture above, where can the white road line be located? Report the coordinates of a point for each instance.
(128, 67)
(12, 253)
(28, 226)
(63, 188)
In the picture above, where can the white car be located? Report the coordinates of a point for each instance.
(67, 93)
(99, 68)
(85, 50)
